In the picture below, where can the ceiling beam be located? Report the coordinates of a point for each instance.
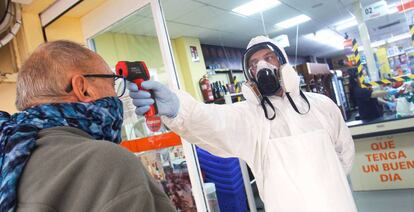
(37, 6)
(56, 10)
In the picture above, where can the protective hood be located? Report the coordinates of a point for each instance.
(287, 76)
(256, 44)
(260, 76)
(262, 40)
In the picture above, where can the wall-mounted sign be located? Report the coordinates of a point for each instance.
(348, 43)
(384, 163)
(194, 54)
(405, 6)
(348, 47)
(375, 10)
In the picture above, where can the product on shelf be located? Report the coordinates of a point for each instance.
(168, 167)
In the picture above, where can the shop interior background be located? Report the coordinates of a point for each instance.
(215, 34)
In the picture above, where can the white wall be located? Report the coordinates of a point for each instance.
(8, 97)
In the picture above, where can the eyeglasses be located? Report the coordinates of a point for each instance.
(119, 82)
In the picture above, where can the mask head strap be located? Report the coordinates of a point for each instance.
(263, 103)
(294, 105)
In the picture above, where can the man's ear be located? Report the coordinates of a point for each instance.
(82, 89)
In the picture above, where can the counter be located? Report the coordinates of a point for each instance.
(384, 154)
(382, 126)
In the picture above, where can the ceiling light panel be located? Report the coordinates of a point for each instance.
(345, 24)
(327, 37)
(293, 21)
(255, 6)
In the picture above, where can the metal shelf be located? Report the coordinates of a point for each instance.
(225, 71)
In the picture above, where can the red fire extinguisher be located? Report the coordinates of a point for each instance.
(206, 89)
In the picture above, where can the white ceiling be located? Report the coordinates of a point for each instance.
(213, 22)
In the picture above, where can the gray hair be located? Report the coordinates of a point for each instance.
(47, 71)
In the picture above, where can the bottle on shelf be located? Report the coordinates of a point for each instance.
(217, 90)
(224, 89)
(221, 90)
(213, 88)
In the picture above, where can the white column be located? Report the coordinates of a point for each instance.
(366, 43)
(193, 166)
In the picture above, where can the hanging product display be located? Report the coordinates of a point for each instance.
(163, 157)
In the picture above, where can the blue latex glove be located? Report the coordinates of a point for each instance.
(391, 105)
(392, 91)
(167, 102)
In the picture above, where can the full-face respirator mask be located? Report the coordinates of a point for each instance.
(269, 74)
(266, 78)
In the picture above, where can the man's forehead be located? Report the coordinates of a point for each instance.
(102, 66)
(262, 52)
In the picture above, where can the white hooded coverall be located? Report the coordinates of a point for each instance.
(300, 162)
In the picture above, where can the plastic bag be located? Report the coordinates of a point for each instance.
(404, 107)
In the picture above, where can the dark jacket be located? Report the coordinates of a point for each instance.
(368, 108)
(69, 171)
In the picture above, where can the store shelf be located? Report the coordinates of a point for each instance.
(233, 95)
(225, 71)
(401, 53)
(229, 72)
(236, 94)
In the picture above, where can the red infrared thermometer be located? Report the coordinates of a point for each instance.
(137, 72)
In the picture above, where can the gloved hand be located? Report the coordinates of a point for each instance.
(391, 105)
(167, 102)
(392, 91)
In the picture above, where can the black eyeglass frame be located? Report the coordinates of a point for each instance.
(69, 88)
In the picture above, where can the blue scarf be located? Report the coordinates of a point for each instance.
(101, 119)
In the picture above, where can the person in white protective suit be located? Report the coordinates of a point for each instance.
(296, 144)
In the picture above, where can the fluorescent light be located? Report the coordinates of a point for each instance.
(392, 8)
(293, 21)
(282, 41)
(327, 37)
(346, 24)
(255, 6)
(399, 37)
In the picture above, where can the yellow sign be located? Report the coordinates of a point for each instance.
(384, 163)
(382, 59)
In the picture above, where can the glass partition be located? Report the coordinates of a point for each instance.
(134, 38)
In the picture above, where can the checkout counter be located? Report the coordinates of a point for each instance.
(385, 125)
(382, 177)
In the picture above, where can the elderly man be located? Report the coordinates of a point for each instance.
(60, 152)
